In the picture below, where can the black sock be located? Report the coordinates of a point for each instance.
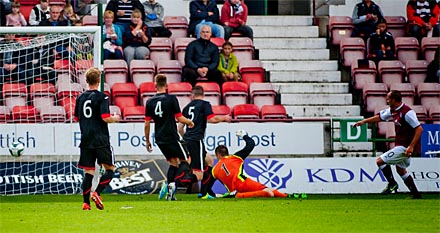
(171, 174)
(388, 174)
(207, 182)
(409, 182)
(86, 187)
(104, 181)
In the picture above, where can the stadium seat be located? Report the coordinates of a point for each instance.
(142, 71)
(107, 91)
(212, 92)
(218, 41)
(421, 112)
(42, 94)
(382, 126)
(407, 90)
(124, 95)
(251, 71)
(407, 48)
(363, 75)
(178, 25)
(429, 94)
(391, 72)
(182, 91)
(69, 89)
(273, 112)
(234, 93)
(134, 114)
(63, 66)
(416, 71)
(429, 46)
(53, 114)
(245, 111)
(374, 94)
(262, 94)
(26, 10)
(25, 114)
(146, 90)
(351, 49)
(396, 25)
(434, 114)
(5, 114)
(171, 68)
(243, 48)
(68, 103)
(29, 2)
(115, 71)
(90, 20)
(115, 110)
(339, 27)
(14, 94)
(180, 45)
(160, 49)
(80, 68)
(221, 110)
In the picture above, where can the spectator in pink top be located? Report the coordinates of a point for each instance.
(234, 18)
(15, 18)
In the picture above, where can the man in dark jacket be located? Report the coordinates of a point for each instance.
(204, 12)
(201, 59)
(365, 16)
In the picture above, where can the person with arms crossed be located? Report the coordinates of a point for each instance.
(408, 132)
(92, 112)
(200, 112)
(164, 109)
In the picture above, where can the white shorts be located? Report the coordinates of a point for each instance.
(396, 156)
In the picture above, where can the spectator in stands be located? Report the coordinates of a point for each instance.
(382, 43)
(228, 63)
(40, 62)
(54, 19)
(39, 13)
(422, 17)
(365, 16)
(7, 4)
(122, 10)
(2, 15)
(15, 18)
(204, 12)
(433, 73)
(83, 7)
(12, 62)
(201, 59)
(112, 37)
(154, 13)
(234, 18)
(137, 38)
(69, 16)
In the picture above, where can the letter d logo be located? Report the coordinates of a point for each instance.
(352, 134)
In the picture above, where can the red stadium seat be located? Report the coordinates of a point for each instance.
(434, 113)
(115, 110)
(429, 46)
(429, 94)
(339, 27)
(407, 48)
(42, 94)
(68, 103)
(80, 67)
(262, 94)
(351, 49)
(14, 94)
(416, 71)
(182, 91)
(171, 68)
(212, 92)
(29, 2)
(273, 112)
(251, 71)
(218, 41)
(142, 71)
(25, 114)
(53, 114)
(115, 71)
(124, 95)
(134, 113)
(243, 48)
(383, 126)
(396, 25)
(69, 89)
(63, 66)
(363, 75)
(421, 112)
(246, 111)
(180, 45)
(160, 49)
(5, 114)
(146, 90)
(234, 93)
(90, 20)
(391, 72)
(407, 90)
(178, 25)
(374, 94)
(26, 11)
(221, 110)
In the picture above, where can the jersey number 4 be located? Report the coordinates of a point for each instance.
(158, 109)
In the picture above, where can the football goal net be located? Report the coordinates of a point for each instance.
(42, 73)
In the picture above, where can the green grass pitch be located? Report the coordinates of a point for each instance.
(144, 213)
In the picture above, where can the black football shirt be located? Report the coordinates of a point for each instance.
(199, 111)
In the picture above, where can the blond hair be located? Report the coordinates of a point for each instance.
(109, 13)
(93, 76)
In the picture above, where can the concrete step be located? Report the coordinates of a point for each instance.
(290, 43)
(322, 111)
(304, 76)
(300, 65)
(280, 20)
(316, 99)
(289, 88)
(294, 54)
(285, 31)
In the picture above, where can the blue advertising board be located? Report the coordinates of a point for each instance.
(430, 141)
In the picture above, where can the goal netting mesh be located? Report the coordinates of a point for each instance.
(42, 73)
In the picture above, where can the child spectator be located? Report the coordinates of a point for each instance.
(381, 43)
(137, 37)
(228, 63)
(69, 16)
(112, 37)
(39, 13)
(15, 18)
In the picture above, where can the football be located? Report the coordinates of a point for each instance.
(16, 149)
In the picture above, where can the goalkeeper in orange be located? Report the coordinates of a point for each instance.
(229, 171)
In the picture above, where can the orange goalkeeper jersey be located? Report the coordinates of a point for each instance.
(229, 170)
